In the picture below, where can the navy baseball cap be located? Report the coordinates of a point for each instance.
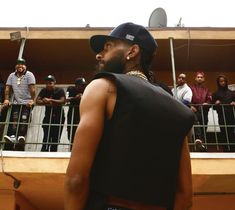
(50, 78)
(80, 81)
(131, 32)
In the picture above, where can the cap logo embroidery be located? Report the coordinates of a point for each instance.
(130, 37)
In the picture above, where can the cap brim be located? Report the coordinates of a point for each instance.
(20, 62)
(49, 80)
(80, 83)
(97, 42)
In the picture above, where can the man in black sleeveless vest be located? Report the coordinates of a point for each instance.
(130, 149)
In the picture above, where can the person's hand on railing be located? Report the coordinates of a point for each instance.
(232, 103)
(47, 100)
(75, 98)
(30, 103)
(217, 102)
(193, 108)
(78, 96)
(6, 103)
(67, 100)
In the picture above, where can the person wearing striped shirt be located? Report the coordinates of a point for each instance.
(21, 86)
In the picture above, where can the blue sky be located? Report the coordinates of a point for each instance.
(102, 13)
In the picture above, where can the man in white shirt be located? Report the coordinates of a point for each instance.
(183, 92)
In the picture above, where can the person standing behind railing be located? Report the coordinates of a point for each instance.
(224, 100)
(152, 79)
(74, 95)
(200, 105)
(2, 86)
(183, 93)
(53, 122)
(2, 114)
(22, 84)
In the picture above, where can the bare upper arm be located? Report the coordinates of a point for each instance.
(96, 106)
(32, 89)
(8, 88)
(7, 92)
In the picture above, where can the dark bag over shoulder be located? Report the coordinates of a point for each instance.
(139, 154)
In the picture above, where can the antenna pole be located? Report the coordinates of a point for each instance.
(173, 65)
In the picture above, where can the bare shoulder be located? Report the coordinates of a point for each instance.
(102, 93)
(101, 86)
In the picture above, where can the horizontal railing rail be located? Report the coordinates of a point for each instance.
(214, 126)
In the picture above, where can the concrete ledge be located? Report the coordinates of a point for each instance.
(36, 154)
(214, 155)
(42, 175)
(193, 155)
(159, 33)
(56, 162)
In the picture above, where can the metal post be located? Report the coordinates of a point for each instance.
(173, 66)
(22, 44)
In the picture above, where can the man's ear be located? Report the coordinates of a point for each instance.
(133, 51)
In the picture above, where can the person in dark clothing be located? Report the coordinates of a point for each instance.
(118, 160)
(2, 86)
(152, 79)
(53, 122)
(74, 95)
(2, 111)
(201, 96)
(224, 100)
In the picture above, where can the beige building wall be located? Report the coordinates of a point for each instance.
(7, 199)
(213, 202)
(22, 203)
(42, 181)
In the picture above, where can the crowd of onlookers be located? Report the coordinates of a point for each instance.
(21, 85)
(200, 99)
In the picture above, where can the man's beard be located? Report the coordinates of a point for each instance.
(20, 71)
(115, 65)
(200, 82)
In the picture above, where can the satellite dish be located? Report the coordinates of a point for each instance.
(158, 18)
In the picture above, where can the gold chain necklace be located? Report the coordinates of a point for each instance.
(19, 79)
(137, 74)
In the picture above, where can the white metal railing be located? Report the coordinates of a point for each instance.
(217, 134)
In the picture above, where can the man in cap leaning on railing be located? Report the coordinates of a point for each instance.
(73, 98)
(22, 84)
(53, 97)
